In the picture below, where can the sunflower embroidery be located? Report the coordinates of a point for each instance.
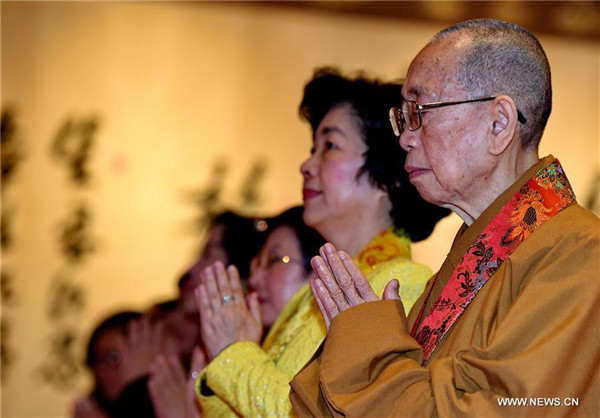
(529, 213)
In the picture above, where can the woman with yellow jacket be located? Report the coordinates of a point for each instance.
(357, 196)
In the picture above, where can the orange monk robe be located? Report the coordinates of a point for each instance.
(533, 331)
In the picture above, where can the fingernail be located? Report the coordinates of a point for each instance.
(329, 248)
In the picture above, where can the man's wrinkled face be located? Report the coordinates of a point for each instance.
(446, 155)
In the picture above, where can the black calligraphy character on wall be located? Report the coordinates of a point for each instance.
(66, 298)
(208, 198)
(72, 145)
(11, 154)
(61, 367)
(10, 145)
(249, 192)
(75, 240)
(7, 354)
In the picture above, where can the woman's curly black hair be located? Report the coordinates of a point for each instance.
(370, 101)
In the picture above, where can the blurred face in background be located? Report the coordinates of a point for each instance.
(107, 364)
(277, 272)
(181, 332)
(213, 251)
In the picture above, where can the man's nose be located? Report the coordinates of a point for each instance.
(409, 139)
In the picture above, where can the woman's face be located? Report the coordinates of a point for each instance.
(277, 272)
(332, 192)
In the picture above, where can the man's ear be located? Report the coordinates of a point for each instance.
(504, 124)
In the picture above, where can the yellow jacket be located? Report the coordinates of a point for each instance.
(251, 380)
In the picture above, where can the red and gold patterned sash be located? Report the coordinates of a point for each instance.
(542, 197)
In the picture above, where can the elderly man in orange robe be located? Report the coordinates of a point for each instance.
(510, 324)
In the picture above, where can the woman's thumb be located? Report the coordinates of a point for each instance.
(254, 307)
(392, 290)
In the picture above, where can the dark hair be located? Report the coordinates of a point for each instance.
(370, 101)
(504, 58)
(160, 309)
(118, 322)
(183, 280)
(309, 239)
(242, 239)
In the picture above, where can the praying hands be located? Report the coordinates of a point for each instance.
(339, 284)
(172, 392)
(225, 318)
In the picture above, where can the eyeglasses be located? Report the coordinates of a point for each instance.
(410, 113)
(270, 260)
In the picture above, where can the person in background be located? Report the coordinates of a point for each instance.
(356, 196)
(148, 337)
(278, 272)
(355, 193)
(282, 266)
(158, 347)
(104, 360)
(509, 325)
(153, 349)
(232, 238)
(172, 390)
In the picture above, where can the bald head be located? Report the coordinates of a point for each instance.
(502, 58)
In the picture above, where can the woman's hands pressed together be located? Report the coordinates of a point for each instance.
(172, 392)
(339, 284)
(225, 317)
(143, 342)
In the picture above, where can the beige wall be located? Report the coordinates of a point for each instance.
(178, 86)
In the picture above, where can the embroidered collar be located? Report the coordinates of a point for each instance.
(543, 196)
(390, 243)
